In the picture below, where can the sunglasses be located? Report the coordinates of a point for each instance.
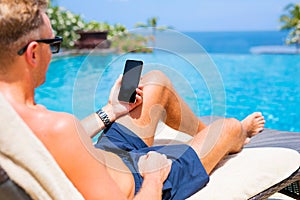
(54, 44)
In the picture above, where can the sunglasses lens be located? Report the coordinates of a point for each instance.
(55, 47)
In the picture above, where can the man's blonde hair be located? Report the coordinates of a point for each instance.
(19, 23)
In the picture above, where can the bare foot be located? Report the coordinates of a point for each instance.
(253, 124)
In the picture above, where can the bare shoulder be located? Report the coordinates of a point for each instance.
(60, 120)
(49, 125)
(58, 130)
(61, 133)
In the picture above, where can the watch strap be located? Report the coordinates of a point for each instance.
(104, 117)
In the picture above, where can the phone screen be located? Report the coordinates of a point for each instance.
(130, 80)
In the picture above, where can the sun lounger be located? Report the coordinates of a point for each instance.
(273, 138)
(271, 144)
(32, 173)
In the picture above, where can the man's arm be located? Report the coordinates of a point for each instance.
(92, 125)
(95, 173)
(114, 109)
(82, 163)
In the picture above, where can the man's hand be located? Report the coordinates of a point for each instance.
(116, 108)
(154, 166)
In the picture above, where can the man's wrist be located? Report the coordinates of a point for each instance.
(153, 179)
(106, 115)
(153, 182)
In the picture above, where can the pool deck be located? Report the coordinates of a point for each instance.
(75, 52)
(279, 49)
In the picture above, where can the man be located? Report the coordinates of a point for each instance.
(27, 41)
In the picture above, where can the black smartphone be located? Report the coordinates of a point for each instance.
(130, 81)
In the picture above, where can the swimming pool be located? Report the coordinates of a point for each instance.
(228, 85)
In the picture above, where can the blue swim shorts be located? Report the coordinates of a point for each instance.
(187, 174)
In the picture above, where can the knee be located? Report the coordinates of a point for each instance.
(157, 77)
(235, 128)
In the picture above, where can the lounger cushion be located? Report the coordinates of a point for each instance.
(242, 175)
(246, 174)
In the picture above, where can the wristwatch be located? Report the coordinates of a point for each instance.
(104, 117)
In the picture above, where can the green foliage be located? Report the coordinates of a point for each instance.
(291, 22)
(113, 30)
(66, 24)
(128, 42)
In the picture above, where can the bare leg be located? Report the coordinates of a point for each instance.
(160, 102)
(212, 143)
(223, 137)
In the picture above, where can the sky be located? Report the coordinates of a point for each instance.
(184, 15)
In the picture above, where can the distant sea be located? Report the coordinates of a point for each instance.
(237, 42)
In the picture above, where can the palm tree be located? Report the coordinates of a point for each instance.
(291, 22)
(152, 23)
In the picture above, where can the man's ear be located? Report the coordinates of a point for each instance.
(32, 53)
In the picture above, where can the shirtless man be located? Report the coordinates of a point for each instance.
(26, 44)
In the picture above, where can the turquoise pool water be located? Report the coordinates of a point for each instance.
(228, 85)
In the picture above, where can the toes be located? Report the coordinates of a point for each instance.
(257, 114)
(261, 121)
(259, 118)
